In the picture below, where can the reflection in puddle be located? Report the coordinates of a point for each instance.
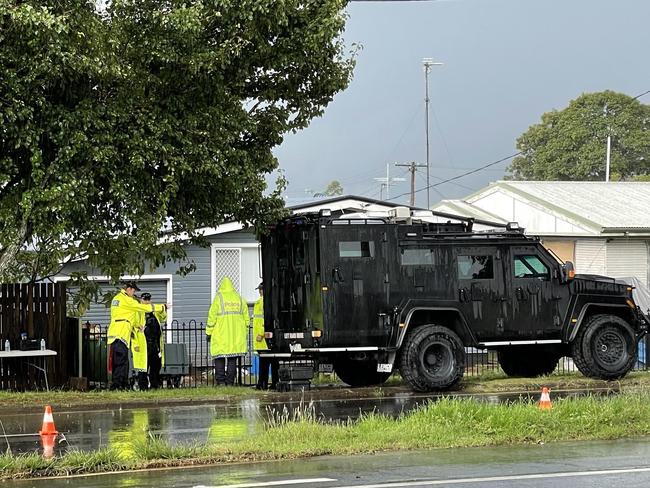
(126, 429)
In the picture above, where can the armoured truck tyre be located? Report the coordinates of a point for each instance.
(432, 358)
(357, 372)
(605, 347)
(528, 361)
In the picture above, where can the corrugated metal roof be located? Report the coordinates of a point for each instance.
(615, 205)
(460, 207)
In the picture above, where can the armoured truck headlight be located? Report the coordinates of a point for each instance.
(316, 333)
(268, 335)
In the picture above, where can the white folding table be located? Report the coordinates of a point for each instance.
(38, 356)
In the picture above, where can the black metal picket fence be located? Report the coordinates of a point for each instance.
(187, 357)
(188, 363)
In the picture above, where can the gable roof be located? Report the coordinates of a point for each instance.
(349, 203)
(343, 203)
(460, 207)
(610, 206)
(604, 207)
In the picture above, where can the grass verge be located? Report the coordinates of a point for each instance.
(443, 424)
(487, 382)
(104, 398)
(497, 381)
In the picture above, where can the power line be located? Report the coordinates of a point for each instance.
(639, 96)
(493, 163)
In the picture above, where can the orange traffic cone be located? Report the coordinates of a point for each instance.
(48, 433)
(545, 399)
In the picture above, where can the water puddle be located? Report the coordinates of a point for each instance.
(121, 428)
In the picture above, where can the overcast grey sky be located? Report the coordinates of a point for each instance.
(506, 63)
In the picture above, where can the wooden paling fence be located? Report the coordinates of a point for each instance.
(39, 310)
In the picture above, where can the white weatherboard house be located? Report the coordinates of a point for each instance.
(604, 228)
(233, 252)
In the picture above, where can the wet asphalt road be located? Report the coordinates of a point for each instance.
(89, 430)
(579, 465)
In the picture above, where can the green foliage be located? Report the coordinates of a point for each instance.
(150, 115)
(334, 188)
(570, 144)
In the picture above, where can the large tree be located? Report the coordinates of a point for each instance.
(118, 123)
(570, 144)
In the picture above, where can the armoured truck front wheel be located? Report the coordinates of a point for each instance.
(527, 361)
(356, 372)
(605, 347)
(432, 358)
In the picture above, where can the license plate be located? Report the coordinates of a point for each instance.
(384, 368)
(326, 367)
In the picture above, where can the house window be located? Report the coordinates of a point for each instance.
(242, 266)
(475, 268)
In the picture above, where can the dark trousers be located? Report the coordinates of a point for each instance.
(225, 374)
(120, 359)
(143, 381)
(154, 364)
(266, 363)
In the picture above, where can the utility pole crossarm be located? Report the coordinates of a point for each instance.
(412, 169)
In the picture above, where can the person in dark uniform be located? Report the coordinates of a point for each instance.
(155, 342)
(259, 344)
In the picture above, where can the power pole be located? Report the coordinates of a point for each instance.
(427, 63)
(412, 169)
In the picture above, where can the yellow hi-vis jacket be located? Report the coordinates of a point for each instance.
(123, 314)
(139, 343)
(259, 342)
(227, 323)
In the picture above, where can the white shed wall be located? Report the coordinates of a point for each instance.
(628, 258)
(591, 256)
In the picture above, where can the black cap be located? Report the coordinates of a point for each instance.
(146, 296)
(131, 284)
(260, 286)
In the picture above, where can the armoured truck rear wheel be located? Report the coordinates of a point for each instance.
(605, 347)
(359, 372)
(432, 358)
(527, 361)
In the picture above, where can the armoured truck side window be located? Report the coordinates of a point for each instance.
(530, 266)
(356, 249)
(475, 267)
(417, 256)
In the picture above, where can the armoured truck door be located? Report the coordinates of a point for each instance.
(536, 294)
(290, 269)
(481, 292)
(354, 279)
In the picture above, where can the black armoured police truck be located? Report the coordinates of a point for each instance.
(369, 295)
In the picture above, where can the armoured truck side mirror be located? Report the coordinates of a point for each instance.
(568, 272)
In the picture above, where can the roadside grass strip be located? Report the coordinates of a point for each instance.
(300, 433)
(489, 381)
(64, 398)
